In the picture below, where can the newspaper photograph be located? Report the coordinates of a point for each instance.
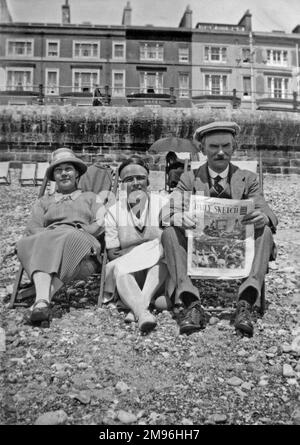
(220, 246)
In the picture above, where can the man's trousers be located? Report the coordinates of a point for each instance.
(175, 248)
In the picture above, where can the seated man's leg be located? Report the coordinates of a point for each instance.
(175, 245)
(250, 290)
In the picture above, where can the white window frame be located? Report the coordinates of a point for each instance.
(114, 88)
(85, 70)
(157, 88)
(23, 41)
(209, 55)
(271, 59)
(86, 42)
(184, 92)
(21, 69)
(51, 91)
(48, 41)
(185, 58)
(120, 42)
(222, 90)
(285, 85)
(146, 45)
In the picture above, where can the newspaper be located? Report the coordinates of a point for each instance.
(220, 247)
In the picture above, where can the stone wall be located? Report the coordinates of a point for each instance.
(31, 133)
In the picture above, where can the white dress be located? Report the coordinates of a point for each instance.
(143, 247)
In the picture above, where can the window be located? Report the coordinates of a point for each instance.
(20, 48)
(85, 80)
(247, 86)
(118, 82)
(151, 51)
(184, 84)
(19, 79)
(118, 50)
(246, 55)
(278, 87)
(183, 55)
(52, 81)
(86, 49)
(53, 48)
(151, 82)
(277, 57)
(216, 84)
(215, 54)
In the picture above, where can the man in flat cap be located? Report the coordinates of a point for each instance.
(218, 177)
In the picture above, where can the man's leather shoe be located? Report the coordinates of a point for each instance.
(242, 319)
(193, 320)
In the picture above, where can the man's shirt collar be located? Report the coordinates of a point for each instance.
(223, 174)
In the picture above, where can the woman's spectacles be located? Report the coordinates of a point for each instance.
(137, 178)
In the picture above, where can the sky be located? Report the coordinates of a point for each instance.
(267, 15)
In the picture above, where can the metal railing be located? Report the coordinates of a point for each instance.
(62, 92)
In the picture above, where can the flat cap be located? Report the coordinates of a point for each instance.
(229, 126)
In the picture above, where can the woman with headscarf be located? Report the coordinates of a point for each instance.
(132, 236)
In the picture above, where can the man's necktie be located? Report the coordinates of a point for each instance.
(219, 189)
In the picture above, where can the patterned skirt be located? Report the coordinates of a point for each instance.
(57, 251)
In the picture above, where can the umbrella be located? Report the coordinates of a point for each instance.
(178, 145)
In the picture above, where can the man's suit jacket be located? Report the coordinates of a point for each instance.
(243, 185)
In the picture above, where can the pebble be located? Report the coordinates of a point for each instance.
(186, 421)
(213, 320)
(292, 382)
(295, 346)
(82, 365)
(263, 382)
(122, 387)
(275, 369)
(242, 353)
(286, 348)
(126, 417)
(218, 418)
(240, 392)
(287, 370)
(296, 417)
(84, 397)
(52, 418)
(247, 386)
(234, 381)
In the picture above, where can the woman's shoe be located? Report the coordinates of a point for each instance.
(147, 321)
(40, 313)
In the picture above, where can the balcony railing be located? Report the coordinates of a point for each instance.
(65, 94)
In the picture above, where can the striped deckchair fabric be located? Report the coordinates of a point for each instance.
(28, 174)
(4, 173)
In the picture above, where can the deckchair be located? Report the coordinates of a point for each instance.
(4, 173)
(104, 256)
(28, 174)
(28, 292)
(40, 172)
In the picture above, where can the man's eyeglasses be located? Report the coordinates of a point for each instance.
(137, 178)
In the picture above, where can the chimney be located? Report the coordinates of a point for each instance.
(5, 16)
(126, 20)
(186, 21)
(66, 15)
(246, 21)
